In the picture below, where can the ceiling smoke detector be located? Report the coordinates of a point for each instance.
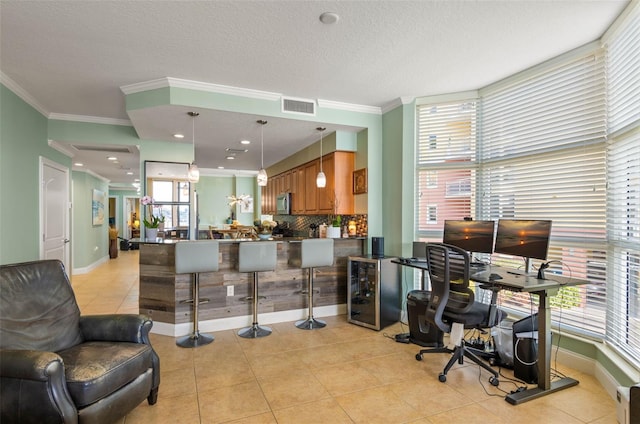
(329, 18)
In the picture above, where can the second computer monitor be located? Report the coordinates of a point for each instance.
(526, 238)
(472, 236)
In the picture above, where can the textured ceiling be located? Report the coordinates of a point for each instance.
(72, 57)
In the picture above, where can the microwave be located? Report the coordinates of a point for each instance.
(283, 204)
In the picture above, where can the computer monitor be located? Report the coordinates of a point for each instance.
(420, 250)
(472, 236)
(526, 238)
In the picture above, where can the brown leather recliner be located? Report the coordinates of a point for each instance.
(57, 366)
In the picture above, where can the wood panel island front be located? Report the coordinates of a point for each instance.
(164, 294)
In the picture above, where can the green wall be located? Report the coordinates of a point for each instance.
(23, 140)
(90, 244)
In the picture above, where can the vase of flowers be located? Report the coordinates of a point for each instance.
(154, 221)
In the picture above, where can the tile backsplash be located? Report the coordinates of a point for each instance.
(300, 223)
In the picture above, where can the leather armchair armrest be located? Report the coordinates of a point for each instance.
(116, 328)
(122, 328)
(33, 385)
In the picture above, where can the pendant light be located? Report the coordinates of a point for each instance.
(321, 179)
(194, 173)
(262, 174)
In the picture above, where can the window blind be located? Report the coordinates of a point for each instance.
(623, 75)
(543, 157)
(623, 202)
(446, 156)
(623, 307)
(561, 107)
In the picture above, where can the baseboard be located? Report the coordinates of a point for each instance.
(91, 267)
(592, 367)
(232, 323)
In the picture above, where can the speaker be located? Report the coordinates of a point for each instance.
(377, 247)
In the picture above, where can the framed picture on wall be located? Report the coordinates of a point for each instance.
(97, 207)
(360, 181)
(247, 205)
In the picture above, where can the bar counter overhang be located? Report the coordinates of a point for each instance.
(163, 293)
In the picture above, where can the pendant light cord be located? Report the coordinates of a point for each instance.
(321, 129)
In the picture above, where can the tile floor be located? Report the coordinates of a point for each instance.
(339, 374)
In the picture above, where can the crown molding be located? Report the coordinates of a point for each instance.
(22, 93)
(400, 101)
(93, 174)
(329, 104)
(90, 119)
(212, 172)
(62, 149)
(199, 86)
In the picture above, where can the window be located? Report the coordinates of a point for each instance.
(623, 177)
(432, 214)
(172, 197)
(445, 165)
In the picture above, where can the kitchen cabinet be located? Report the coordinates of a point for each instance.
(306, 197)
(311, 191)
(297, 190)
(338, 168)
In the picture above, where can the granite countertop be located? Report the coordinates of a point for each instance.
(279, 239)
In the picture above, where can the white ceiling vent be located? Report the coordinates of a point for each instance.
(299, 106)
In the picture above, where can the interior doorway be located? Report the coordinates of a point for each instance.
(131, 212)
(54, 212)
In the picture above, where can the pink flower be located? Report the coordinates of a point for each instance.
(147, 200)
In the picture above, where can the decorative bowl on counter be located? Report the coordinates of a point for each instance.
(263, 236)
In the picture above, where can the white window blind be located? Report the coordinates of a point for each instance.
(563, 106)
(543, 157)
(623, 202)
(446, 156)
(623, 75)
(623, 324)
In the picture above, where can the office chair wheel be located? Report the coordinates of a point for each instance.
(418, 357)
(442, 378)
(494, 381)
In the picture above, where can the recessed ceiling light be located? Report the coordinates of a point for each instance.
(230, 157)
(137, 180)
(79, 164)
(112, 158)
(245, 142)
(129, 173)
(178, 136)
(221, 167)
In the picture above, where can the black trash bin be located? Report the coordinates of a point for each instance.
(422, 332)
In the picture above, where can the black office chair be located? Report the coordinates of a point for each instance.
(452, 306)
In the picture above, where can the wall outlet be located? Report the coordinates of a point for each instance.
(229, 290)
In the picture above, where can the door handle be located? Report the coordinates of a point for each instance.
(65, 241)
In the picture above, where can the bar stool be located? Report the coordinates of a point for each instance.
(194, 257)
(314, 253)
(254, 257)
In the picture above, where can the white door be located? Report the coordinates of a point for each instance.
(54, 212)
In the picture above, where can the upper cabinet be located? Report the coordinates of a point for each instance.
(337, 196)
(306, 198)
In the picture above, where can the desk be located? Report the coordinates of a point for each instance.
(422, 266)
(514, 281)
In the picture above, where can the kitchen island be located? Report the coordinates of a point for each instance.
(163, 292)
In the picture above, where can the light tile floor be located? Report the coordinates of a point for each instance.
(342, 373)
